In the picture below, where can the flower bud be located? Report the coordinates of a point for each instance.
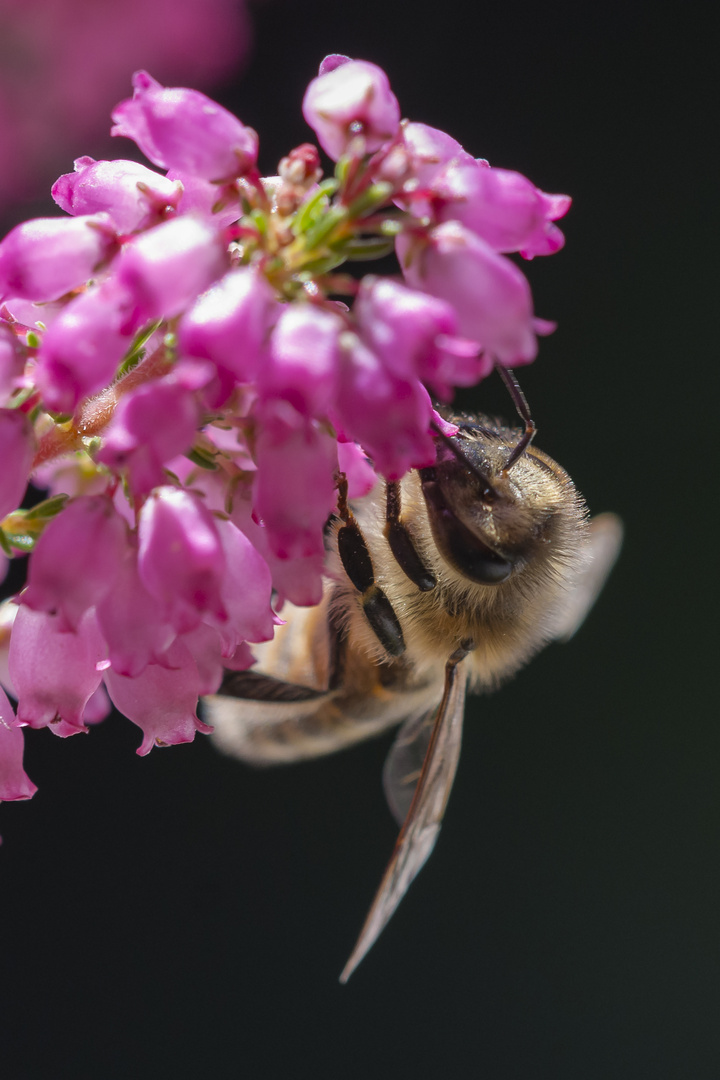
(353, 98)
(133, 195)
(177, 128)
(76, 560)
(48, 257)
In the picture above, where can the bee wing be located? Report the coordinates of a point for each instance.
(441, 733)
(403, 765)
(606, 534)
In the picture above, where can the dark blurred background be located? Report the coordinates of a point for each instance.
(181, 915)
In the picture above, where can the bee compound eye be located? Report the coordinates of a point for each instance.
(459, 545)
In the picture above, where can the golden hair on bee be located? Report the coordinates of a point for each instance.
(451, 578)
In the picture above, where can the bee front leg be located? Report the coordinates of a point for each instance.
(355, 557)
(401, 543)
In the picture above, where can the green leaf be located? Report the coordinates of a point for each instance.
(371, 199)
(200, 456)
(310, 210)
(360, 250)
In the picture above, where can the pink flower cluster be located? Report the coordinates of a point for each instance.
(179, 372)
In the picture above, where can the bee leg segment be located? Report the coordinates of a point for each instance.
(358, 566)
(401, 543)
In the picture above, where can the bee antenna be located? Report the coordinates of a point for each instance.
(523, 411)
(488, 490)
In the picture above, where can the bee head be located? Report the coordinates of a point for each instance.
(490, 510)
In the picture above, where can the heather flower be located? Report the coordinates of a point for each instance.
(134, 196)
(351, 98)
(165, 268)
(16, 451)
(301, 367)
(14, 781)
(12, 364)
(502, 207)
(54, 672)
(183, 129)
(48, 257)
(489, 293)
(134, 627)
(430, 151)
(76, 560)
(83, 346)
(414, 335)
(247, 588)
(294, 489)
(230, 322)
(162, 701)
(367, 394)
(180, 558)
(151, 426)
(186, 370)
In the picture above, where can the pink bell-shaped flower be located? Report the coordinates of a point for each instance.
(230, 322)
(135, 630)
(388, 416)
(83, 346)
(413, 334)
(303, 357)
(489, 293)
(502, 207)
(181, 561)
(14, 781)
(76, 560)
(294, 489)
(162, 701)
(152, 424)
(133, 195)
(352, 98)
(177, 128)
(45, 258)
(16, 454)
(54, 673)
(165, 268)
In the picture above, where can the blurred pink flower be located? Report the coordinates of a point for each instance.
(64, 64)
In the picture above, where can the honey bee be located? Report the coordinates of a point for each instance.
(448, 580)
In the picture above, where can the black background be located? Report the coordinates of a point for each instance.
(181, 915)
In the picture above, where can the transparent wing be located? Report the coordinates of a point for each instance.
(403, 765)
(606, 534)
(427, 804)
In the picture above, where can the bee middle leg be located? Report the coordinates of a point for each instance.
(401, 543)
